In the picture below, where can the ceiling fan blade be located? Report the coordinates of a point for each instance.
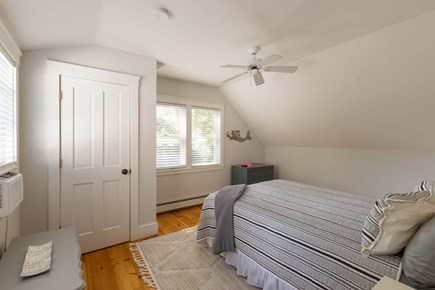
(283, 69)
(271, 59)
(235, 77)
(258, 77)
(234, 66)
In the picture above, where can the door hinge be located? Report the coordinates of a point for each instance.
(60, 95)
(60, 162)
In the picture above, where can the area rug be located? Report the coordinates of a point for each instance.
(177, 261)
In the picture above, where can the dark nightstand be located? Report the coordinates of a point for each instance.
(247, 175)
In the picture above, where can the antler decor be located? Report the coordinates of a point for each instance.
(235, 135)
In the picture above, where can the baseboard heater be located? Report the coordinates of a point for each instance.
(181, 200)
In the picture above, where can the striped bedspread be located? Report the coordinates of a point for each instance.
(308, 236)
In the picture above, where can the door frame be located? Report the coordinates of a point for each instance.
(55, 71)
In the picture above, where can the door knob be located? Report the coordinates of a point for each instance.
(124, 171)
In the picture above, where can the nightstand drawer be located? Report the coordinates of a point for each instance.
(248, 175)
(259, 174)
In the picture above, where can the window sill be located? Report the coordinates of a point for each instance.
(162, 172)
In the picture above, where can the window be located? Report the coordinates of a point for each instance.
(8, 134)
(189, 135)
(205, 136)
(171, 136)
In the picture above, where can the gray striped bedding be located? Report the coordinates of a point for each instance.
(308, 236)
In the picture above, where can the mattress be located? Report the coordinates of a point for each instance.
(307, 236)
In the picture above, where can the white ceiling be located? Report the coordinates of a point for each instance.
(202, 35)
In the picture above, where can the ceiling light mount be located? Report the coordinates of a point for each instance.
(253, 50)
(161, 14)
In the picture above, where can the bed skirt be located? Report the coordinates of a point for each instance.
(254, 273)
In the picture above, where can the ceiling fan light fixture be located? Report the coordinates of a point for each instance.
(258, 77)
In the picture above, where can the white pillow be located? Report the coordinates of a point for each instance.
(393, 221)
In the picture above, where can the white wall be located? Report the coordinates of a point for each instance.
(179, 186)
(3, 228)
(9, 229)
(362, 171)
(35, 125)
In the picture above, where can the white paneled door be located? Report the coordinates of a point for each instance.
(95, 142)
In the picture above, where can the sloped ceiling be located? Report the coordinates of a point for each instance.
(366, 68)
(375, 92)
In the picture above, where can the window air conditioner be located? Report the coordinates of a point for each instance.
(11, 192)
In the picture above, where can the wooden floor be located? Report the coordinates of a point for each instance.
(114, 268)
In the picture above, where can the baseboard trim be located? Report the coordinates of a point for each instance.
(182, 199)
(180, 204)
(144, 231)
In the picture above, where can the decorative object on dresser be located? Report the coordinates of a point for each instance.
(258, 172)
(64, 273)
(37, 260)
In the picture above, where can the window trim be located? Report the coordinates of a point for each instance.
(193, 103)
(8, 46)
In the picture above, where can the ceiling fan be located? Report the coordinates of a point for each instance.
(257, 66)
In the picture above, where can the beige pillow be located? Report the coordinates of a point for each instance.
(393, 221)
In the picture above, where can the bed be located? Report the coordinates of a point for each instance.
(290, 235)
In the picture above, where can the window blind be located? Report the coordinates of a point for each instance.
(171, 136)
(205, 136)
(8, 138)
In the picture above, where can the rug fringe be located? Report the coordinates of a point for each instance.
(145, 273)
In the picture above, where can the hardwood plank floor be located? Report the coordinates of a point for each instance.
(113, 268)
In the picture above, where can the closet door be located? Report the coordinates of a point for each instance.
(95, 171)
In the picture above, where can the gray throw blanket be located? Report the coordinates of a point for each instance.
(224, 205)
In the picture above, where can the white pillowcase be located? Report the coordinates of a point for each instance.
(393, 221)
